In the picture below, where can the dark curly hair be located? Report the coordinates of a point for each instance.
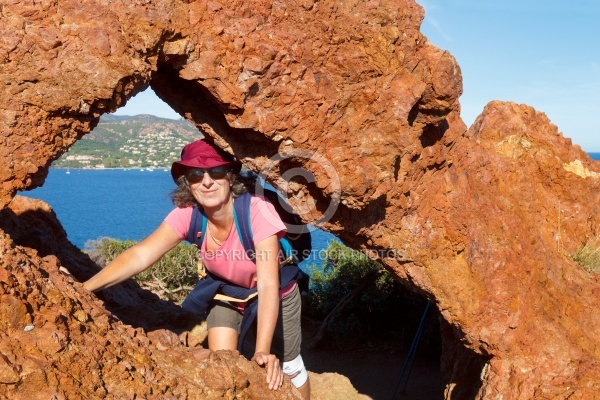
(182, 196)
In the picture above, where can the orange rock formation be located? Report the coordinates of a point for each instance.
(481, 221)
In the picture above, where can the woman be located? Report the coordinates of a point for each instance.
(209, 179)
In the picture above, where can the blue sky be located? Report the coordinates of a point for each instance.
(543, 53)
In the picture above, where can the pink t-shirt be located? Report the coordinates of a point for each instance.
(229, 261)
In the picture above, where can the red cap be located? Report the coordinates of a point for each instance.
(200, 154)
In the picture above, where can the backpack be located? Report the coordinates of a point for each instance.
(295, 245)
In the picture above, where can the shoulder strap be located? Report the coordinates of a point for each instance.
(197, 228)
(241, 217)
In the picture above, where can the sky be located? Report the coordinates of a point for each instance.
(543, 53)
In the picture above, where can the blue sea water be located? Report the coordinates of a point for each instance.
(121, 204)
(595, 156)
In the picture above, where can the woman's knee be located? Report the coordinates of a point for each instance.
(222, 338)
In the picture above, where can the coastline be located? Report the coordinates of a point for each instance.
(593, 155)
(114, 169)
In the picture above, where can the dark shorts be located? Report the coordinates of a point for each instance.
(287, 337)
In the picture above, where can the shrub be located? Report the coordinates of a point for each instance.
(357, 301)
(589, 255)
(171, 278)
(95, 250)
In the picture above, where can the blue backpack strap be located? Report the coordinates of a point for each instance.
(197, 228)
(287, 249)
(241, 217)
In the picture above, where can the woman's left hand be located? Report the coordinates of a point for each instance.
(274, 372)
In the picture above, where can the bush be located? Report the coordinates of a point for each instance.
(171, 278)
(589, 255)
(360, 303)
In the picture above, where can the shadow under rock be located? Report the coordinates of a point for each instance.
(39, 229)
(375, 371)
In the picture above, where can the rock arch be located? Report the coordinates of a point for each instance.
(481, 221)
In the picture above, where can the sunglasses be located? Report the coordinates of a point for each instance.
(197, 174)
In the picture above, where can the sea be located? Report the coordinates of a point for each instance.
(127, 204)
(124, 204)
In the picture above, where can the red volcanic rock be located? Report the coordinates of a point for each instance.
(482, 221)
(537, 200)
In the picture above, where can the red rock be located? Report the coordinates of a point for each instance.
(480, 221)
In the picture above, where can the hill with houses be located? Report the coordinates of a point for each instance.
(140, 141)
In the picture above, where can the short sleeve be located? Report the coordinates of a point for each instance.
(179, 219)
(265, 220)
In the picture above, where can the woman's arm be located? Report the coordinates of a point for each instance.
(267, 271)
(135, 259)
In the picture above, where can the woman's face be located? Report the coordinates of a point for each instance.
(210, 187)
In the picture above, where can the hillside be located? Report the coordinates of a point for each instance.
(140, 141)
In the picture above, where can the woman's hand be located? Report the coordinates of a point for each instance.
(274, 372)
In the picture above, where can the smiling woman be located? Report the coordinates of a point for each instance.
(261, 291)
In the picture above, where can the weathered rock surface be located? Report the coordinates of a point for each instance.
(481, 221)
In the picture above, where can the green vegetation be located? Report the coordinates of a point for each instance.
(589, 255)
(358, 301)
